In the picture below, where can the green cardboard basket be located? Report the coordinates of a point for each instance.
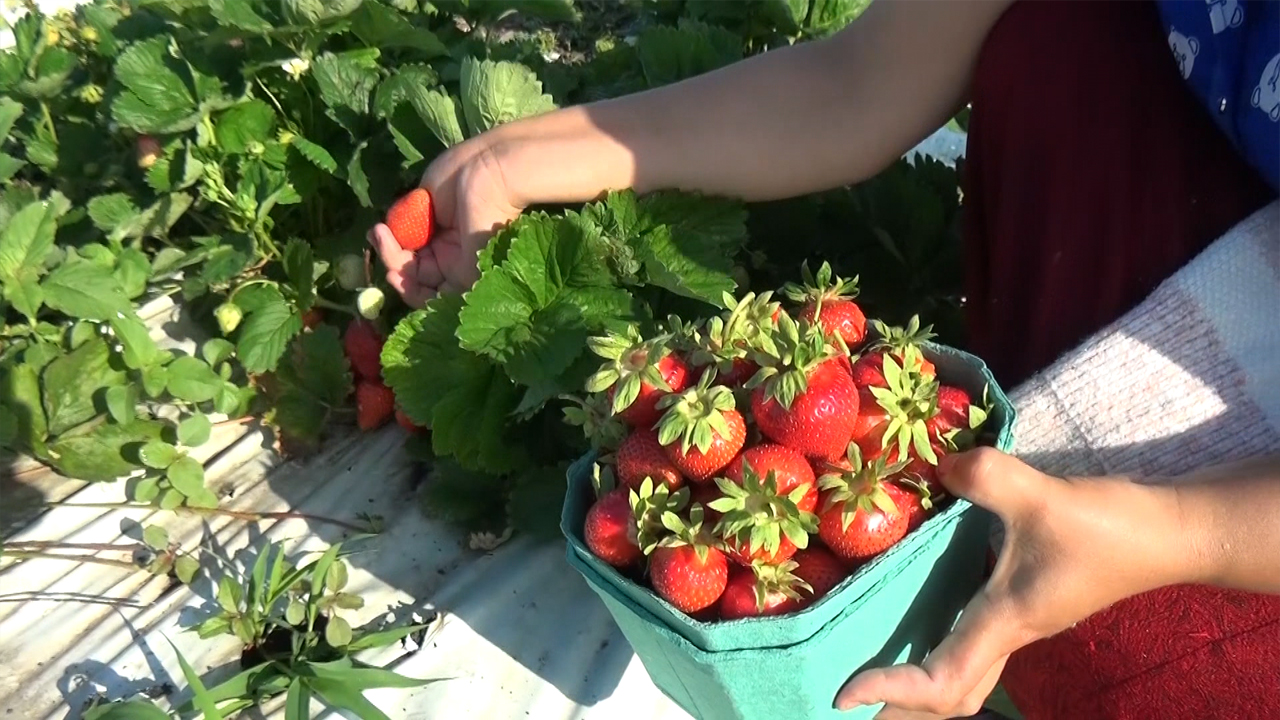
(895, 608)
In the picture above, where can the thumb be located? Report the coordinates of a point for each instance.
(993, 480)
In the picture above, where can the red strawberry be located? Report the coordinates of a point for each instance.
(637, 374)
(363, 345)
(917, 502)
(790, 469)
(867, 370)
(769, 498)
(761, 590)
(312, 317)
(903, 344)
(604, 430)
(704, 494)
(412, 219)
(375, 404)
(148, 151)
(686, 568)
(811, 405)
(958, 419)
(641, 456)
(726, 341)
(898, 420)
(407, 423)
(611, 530)
(953, 411)
(700, 431)
(861, 514)
(820, 569)
(828, 301)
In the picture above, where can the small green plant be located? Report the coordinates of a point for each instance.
(295, 642)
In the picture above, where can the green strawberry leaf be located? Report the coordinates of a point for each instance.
(195, 430)
(315, 154)
(186, 475)
(299, 266)
(669, 54)
(121, 400)
(72, 381)
(10, 111)
(156, 98)
(314, 12)
(26, 241)
(382, 27)
(192, 379)
(356, 176)
(240, 125)
(465, 398)
(84, 290)
(441, 114)
(345, 86)
(315, 379)
(98, 455)
(20, 392)
(494, 93)
(535, 311)
(175, 172)
(265, 332)
(157, 454)
(132, 271)
(186, 568)
(239, 14)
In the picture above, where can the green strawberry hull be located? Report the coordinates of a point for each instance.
(894, 609)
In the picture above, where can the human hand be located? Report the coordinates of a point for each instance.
(471, 201)
(1071, 548)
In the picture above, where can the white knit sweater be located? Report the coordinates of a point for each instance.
(1189, 378)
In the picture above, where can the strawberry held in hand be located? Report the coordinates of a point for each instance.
(828, 302)
(803, 397)
(412, 219)
(701, 431)
(637, 374)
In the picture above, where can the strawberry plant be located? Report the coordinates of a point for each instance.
(231, 157)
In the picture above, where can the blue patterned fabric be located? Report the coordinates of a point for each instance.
(1229, 54)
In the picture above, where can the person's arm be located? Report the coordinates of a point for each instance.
(1233, 519)
(794, 120)
(791, 121)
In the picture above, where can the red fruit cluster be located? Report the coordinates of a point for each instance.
(375, 402)
(768, 455)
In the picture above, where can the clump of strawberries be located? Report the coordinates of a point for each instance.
(763, 456)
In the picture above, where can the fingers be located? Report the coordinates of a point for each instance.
(953, 678)
(996, 481)
(410, 274)
(970, 705)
